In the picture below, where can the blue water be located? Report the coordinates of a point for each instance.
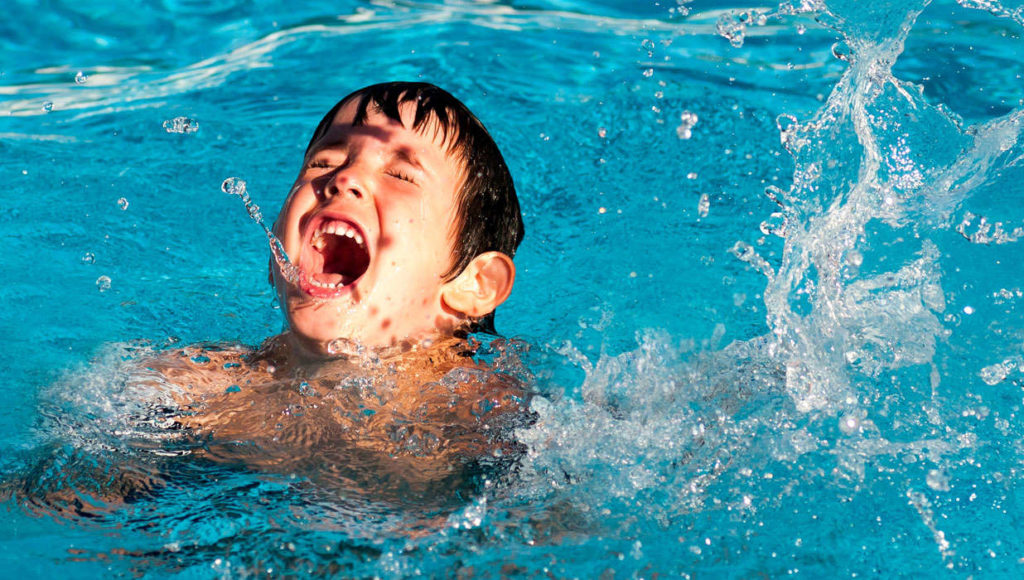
(788, 344)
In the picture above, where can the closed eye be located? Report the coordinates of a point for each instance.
(401, 175)
(319, 163)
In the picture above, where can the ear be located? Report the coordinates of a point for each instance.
(482, 286)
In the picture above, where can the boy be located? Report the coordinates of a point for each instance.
(399, 233)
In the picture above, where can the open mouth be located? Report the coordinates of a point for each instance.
(337, 256)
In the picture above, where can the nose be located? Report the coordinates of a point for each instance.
(344, 181)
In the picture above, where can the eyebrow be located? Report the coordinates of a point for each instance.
(336, 144)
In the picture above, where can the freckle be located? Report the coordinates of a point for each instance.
(373, 311)
(385, 324)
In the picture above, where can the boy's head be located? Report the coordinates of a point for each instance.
(401, 224)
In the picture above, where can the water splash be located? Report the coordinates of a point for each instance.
(733, 25)
(237, 186)
(851, 390)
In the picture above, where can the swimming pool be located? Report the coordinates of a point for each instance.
(781, 339)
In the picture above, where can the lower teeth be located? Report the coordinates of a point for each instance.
(327, 285)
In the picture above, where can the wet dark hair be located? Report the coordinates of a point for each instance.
(487, 209)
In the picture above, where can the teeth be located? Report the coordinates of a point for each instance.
(319, 284)
(336, 229)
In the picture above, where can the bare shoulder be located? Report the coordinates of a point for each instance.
(199, 371)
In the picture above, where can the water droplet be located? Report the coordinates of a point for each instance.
(122, 203)
(800, 29)
(340, 346)
(691, 175)
(854, 258)
(47, 106)
(775, 194)
(254, 212)
(774, 225)
(81, 78)
(233, 389)
(937, 480)
(732, 27)
(601, 132)
(842, 51)
(648, 73)
(306, 390)
(789, 129)
(237, 186)
(703, 205)
(686, 122)
(994, 374)
(233, 186)
(849, 424)
(181, 125)
(103, 283)
(88, 258)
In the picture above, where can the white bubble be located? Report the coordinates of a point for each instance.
(849, 424)
(47, 106)
(703, 205)
(854, 258)
(88, 258)
(103, 283)
(995, 374)
(686, 122)
(81, 78)
(122, 203)
(937, 480)
(181, 125)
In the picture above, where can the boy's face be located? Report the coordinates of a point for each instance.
(368, 224)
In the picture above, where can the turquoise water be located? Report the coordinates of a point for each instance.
(785, 343)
